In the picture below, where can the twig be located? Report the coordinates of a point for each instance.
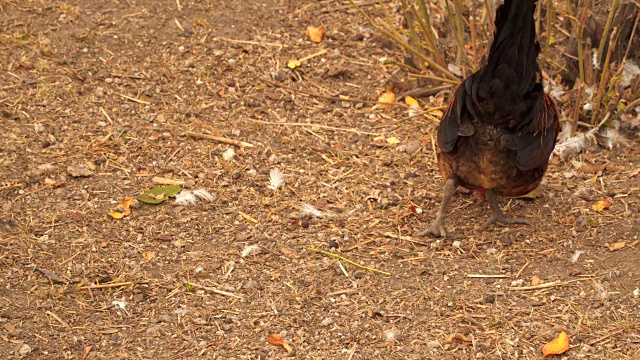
(424, 91)
(345, 7)
(216, 291)
(332, 98)
(321, 52)
(51, 276)
(165, 181)
(489, 276)
(219, 139)
(605, 337)
(313, 125)
(522, 269)
(248, 217)
(64, 323)
(112, 285)
(106, 115)
(349, 261)
(250, 42)
(134, 99)
(536, 287)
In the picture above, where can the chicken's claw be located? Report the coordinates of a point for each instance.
(436, 230)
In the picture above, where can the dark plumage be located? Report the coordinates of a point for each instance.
(500, 127)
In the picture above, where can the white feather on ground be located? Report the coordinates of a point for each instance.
(250, 250)
(276, 178)
(186, 197)
(203, 194)
(310, 210)
(570, 146)
(611, 137)
(228, 154)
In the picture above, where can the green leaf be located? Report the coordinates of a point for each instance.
(159, 194)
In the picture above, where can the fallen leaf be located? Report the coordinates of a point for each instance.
(535, 193)
(634, 243)
(413, 105)
(149, 255)
(601, 205)
(393, 140)
(617, 246)
(387, 97)
(535, 281)
(87, 350)
(293, 63)
(315, 33)
(557, 346)
(275, 340)
(634, 173)
(159, 194)
(122, 209)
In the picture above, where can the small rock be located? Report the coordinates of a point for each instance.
(333, 244)
(79, 170)
(359, 274)
(413, 146)
(490, 299)
(505, 240)
(24, 350)
(327, 322)
(434, 344)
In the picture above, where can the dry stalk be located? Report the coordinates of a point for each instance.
(605, 33)
(219, 139)
(349, 261)
(550, 20)
(603, 77)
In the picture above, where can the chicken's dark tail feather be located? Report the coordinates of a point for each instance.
(514, 50)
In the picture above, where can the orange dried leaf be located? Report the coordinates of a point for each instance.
(413, 103)
(122, 209)
(535, 280)
(557, 346)
(275, 340)
(617, 246)
(387, 97)
(601, 205)
(315, 33)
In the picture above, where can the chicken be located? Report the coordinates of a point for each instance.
(500, 128)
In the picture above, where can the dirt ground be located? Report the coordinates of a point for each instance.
(97, 99)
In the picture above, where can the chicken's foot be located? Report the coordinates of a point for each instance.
(497, 216)
(437, 228)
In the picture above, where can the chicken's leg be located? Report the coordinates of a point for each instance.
(497, 216)
(437, 227)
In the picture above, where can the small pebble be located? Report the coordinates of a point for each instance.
(327, 322)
